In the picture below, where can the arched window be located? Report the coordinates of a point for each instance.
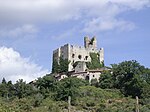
(87, 78)
(86, 57)
(73, 55)
(79, 56)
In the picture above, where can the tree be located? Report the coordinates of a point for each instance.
(127, 76)
(10, 87)
(55, 66)
(106, 80)
(146, 76)
(63, 65)
(21, 89)
(146, 91)
(4, 88)
(4, 81)
(95, 62)
(47, 82)
(94, 82)
(69, 87)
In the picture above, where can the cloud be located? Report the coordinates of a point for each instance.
(26, 30)
(57, 10)
(85, 11)
(132, 4)
(100, 24)
(36, 10)
(14, 67)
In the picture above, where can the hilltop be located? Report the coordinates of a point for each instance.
(116, 91)
(80, 82)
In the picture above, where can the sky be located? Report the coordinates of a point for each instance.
(31, 29)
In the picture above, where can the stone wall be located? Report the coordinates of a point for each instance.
(78, 53)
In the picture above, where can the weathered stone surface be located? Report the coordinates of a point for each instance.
(77, 53)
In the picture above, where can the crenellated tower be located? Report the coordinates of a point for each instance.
(90, 43)
(78, 53)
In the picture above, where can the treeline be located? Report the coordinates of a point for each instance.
(114, 92)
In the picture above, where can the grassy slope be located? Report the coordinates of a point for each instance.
(91, 99)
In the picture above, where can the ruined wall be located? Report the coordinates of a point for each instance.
(90, 44)
(81, 67)
(63, 52)
(94, 75)
(78, 53)
(101, 55)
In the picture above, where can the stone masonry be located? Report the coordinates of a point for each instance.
(77, 53)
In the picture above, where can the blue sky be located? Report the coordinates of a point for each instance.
(31, 29)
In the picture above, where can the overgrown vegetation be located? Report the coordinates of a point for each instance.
(115, 92)
(61, 66)
(95, 62)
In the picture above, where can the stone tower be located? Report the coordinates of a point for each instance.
(90, 43)
(101, 55)
(86, 42)
(78, 53)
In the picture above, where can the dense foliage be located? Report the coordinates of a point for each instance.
(61, 66)
(95, 62)
(115, 92)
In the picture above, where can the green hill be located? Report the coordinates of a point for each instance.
(116, 91)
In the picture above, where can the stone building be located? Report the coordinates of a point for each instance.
(87, 75)
(78, 53)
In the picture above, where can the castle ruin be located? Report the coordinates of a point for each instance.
(79, 54)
